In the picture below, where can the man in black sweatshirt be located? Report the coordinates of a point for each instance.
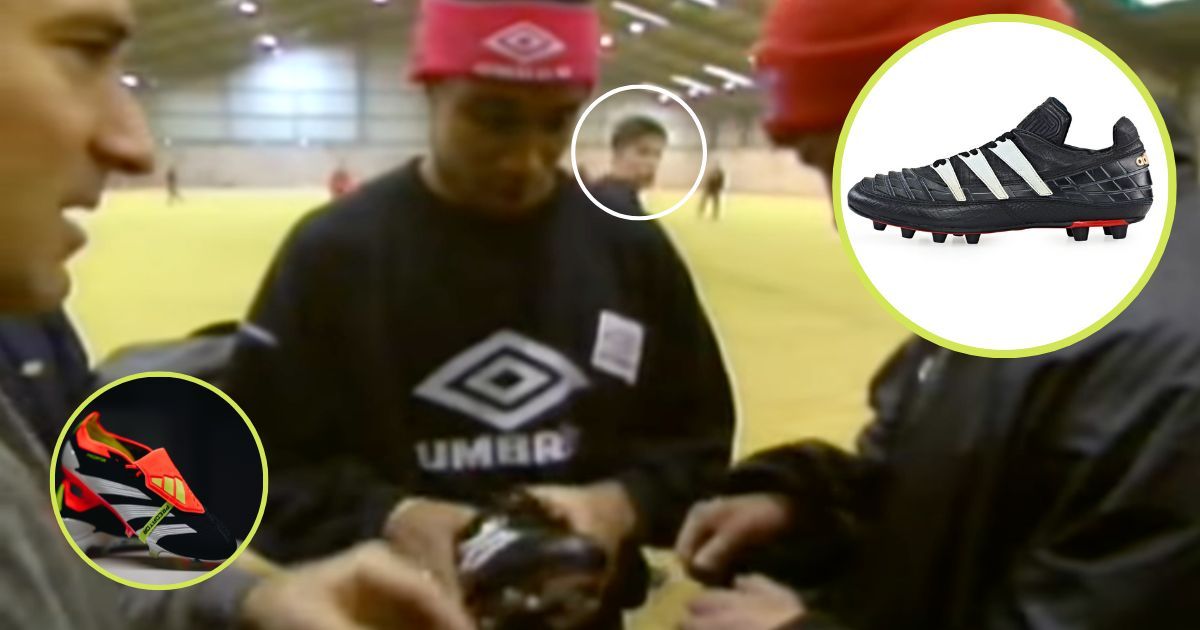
(1056, 492)
(471, 322)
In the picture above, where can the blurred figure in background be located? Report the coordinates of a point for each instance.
(341, 182)
(1054, 492)
(172, 180)
(638, 144)
(470, 323)
(713, 192)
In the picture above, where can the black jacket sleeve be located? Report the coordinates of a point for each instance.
(1113, 444)
(685, 430)
(284, 375)
(1096, 524)
(833, 493)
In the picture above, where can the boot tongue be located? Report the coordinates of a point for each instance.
(1050, 120)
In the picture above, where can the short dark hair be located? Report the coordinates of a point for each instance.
(635, 128)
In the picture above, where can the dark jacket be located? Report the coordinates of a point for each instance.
(44, 370)
(1057, 492)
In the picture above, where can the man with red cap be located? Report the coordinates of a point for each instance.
(471, 323)
(1055, 492)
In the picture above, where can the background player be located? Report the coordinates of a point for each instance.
(713, 192)
(172, 181)
(341, 182)
(638, 144)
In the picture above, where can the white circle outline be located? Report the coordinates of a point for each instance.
(703, 149)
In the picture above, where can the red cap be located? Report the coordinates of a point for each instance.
(816, 55)
(513, 40)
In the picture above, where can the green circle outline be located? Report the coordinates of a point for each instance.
(262, 454)
(1168, 149)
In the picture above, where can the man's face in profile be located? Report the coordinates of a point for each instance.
(65, 123)
(637, 161)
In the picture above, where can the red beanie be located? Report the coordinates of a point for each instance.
(816, 55)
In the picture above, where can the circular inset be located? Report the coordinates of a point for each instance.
(703, 152)
(950, 247)
(159, 481)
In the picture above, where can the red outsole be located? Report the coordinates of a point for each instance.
(1115, 228)
(1077, 224)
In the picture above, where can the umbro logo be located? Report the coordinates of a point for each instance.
(525, 43)
(505, 381)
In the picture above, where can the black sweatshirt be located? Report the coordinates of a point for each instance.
(617, 194)
(1058, 492)
(402, 346)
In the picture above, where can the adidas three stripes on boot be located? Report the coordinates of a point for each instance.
(1026, 178)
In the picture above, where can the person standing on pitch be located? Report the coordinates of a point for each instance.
(471, 323)
(66, 123)
(713, 192)
(172, 181)
(637, 144)
(341, 182)
(1055, 492)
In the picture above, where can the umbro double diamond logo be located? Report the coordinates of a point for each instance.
(505, 381)
(525, 42)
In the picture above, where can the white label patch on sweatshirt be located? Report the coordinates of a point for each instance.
(618, 350)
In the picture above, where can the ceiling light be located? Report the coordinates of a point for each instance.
(247, 8)
(730, 86)
(692, 84)
(640, 13)
(729, 75)
(268, 40)
(637, 28)
(606, 41)
(130, 80)
(712, 4)
(380, 2)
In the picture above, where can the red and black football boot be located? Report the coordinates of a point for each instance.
(114, 487)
